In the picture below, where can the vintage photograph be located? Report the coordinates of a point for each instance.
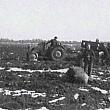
(54, 54)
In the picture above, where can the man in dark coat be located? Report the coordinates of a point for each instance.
(97, 51)
(88, 58)
(53, 42)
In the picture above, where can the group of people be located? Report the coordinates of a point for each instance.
(88, 55)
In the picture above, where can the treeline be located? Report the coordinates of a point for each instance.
(21, 41)
(32, 41)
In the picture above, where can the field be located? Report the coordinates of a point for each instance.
(43, 85)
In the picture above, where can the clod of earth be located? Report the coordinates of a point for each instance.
(77, 75)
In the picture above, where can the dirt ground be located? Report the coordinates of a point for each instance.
(43, 86)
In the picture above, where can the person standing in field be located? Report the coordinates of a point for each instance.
(97, 51)
(88, 58)
(28, 52)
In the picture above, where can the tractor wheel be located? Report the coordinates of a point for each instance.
(58, 53)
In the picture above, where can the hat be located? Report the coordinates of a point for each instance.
(55, 37)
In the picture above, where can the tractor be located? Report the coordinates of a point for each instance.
(44, 51)
(101, 51)
(59, 52)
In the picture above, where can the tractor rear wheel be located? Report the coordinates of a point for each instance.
(58, 53)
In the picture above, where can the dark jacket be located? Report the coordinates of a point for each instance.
(53, 42)
(88, 55)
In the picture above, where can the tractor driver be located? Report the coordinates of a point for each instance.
(53, 42)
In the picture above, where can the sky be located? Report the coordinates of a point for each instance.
(69, 20)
